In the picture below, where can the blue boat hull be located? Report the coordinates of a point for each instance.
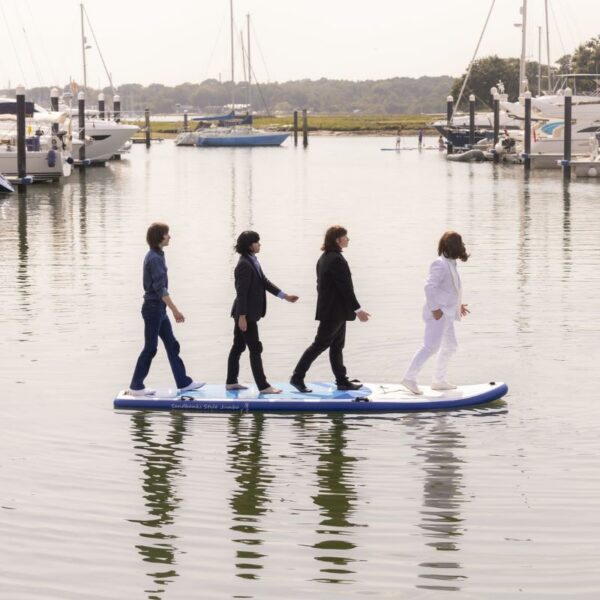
(251, 140)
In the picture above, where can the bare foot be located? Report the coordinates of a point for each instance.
(271, 390)
(235, 386)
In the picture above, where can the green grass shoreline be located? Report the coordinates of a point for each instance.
(342, 124)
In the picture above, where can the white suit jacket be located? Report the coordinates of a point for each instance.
(443, 289)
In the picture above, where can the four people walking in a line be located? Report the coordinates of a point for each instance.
(336, 304)
(443, 306)
(249, 306)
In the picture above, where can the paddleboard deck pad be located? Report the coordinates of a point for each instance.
(325, 398)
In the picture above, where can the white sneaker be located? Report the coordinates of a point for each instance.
(195, 385)
(411, 386)
(441, 386)
(142, 392)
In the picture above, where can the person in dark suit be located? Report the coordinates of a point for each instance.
(336, 304)
(249, 306)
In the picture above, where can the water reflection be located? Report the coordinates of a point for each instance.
(250, 498)
(336, 501)
(441, 521)
(23, 283)
(162, 468)
(566, 237)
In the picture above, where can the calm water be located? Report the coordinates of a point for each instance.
(495, 502)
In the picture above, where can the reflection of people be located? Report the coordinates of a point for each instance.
(162, 467)
(156, 320)
(336, 304)
(441, 145)
(249, 306)
(443, 306)
(398, 139)
(420, 138)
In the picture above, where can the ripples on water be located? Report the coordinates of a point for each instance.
(493, 502)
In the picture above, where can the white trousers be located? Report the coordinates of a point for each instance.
(439, 337)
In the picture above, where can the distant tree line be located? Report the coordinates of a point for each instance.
(400, 95)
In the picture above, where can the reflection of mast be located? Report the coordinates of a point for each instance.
(250, 495)
(335, 499)
(162, 464)
(23, 269)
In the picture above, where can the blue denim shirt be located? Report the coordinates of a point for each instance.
(156, 282)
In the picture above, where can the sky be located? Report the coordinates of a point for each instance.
(188, 40)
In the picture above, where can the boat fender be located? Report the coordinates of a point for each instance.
(592, 172)
(70, 160)
(51, 158)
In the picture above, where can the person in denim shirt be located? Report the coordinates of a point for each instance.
(156, 320)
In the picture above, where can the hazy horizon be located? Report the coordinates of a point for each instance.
(189, 42)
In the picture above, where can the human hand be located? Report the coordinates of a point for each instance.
(179, 318)
(437, 314)
(290, 298)
(464, 311)
(363, 315)
(242, 323)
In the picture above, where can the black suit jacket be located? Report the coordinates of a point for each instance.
(336, 300)
(251, 288)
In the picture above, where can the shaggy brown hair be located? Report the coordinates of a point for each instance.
(155, 234)
(452, 246)
(331, 236)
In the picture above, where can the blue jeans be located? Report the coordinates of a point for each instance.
(157, 324)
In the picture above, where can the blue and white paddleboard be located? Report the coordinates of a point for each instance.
(372, 397)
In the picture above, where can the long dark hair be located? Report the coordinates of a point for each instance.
(331, 236)
(245, 240)
(155, 234)
(452, 246)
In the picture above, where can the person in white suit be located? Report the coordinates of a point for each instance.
(443, 306)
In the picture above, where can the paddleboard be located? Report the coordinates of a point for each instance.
(325, 398)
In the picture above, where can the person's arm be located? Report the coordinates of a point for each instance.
(273, 289)
(342, 279)
(179, 318)
(434, 279)
(242, 275)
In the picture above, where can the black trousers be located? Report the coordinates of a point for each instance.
(332, 335)
(241, 339)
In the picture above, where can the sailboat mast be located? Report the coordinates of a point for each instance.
(523, 48)
(232, 57)
(548, 47)
(249, 62)
(83, 49)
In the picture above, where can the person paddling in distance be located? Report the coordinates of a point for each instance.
(443, 306)
(336, 304)
(156, 320)
(249, 306)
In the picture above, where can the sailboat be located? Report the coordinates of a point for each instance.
(239, 135)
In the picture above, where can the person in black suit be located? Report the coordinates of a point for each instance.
(249, 306)
(336, 304)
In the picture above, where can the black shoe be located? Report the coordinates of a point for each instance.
(345, 386)
(299, 385)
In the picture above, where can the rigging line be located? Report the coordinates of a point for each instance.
(255, 37)
(13, 45)
(462, 89)
(557, 28)
(112, 87)
(41, 39)
(212, 54)
(40, 79)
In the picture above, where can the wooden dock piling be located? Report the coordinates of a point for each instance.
(304, 127)
(21, 150)
(81, 109)
(496, 104)
(147, 121)
(566, 162)
(101, 112)
(527, 153)
(117, 108)
(54, 106)
(471, 120)
(449, 113)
